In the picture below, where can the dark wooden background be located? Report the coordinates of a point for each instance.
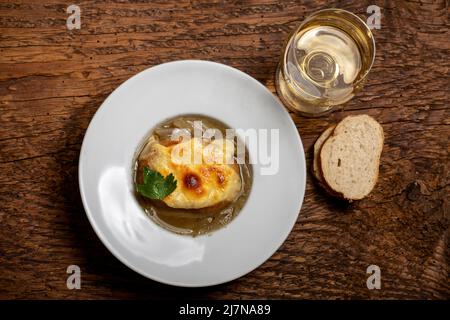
(53, 80)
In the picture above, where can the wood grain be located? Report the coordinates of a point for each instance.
(53, 80)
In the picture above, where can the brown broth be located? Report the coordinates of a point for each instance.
(192, 221)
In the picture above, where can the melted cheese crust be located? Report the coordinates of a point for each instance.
(204, 171)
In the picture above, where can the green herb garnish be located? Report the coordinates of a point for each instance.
(155, 186)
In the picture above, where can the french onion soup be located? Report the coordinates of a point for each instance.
(188, 176)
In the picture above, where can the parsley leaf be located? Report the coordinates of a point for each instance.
(155, 186)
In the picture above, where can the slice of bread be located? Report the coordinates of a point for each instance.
(317, 147)
(349, 159)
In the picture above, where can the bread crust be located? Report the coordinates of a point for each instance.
(317, 170)
(317, 147)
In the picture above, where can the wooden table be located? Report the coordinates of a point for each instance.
(52, 81)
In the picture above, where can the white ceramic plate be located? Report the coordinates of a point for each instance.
(105, 174)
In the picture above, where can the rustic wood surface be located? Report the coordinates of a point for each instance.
(52, 81)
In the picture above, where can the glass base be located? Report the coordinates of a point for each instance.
(295, 105)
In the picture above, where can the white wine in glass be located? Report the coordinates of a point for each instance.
(325, 62)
